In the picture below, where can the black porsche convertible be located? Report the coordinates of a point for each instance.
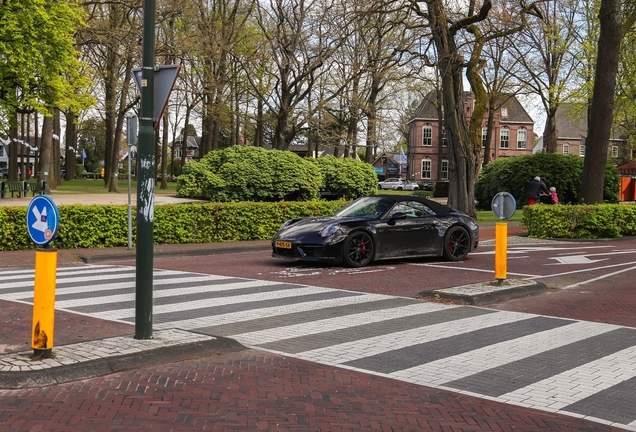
(376, 228)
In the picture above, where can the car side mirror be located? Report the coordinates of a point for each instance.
(398, 215)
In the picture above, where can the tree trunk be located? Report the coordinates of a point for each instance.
(23, 174)
(599, 129)
(259, 135)
(550, 132)
(56, 160)
(184, 139)
(461, 164)
(71, 146)
(164, 153)
(13, 148)
(45, 148)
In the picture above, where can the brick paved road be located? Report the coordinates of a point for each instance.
(252, 390)
(574, 367)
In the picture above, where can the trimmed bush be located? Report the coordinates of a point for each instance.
(347, 178)
(580, 221)
(97, 226)
(563, 172)
(244, 173)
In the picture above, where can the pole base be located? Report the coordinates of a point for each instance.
(41, 354)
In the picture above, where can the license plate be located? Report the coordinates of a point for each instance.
(283, 245)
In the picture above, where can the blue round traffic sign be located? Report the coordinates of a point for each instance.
(43, 220)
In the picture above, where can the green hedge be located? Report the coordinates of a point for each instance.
(98, 226)
(580, 221)
(563, 172)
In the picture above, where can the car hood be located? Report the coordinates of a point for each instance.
(311, 226)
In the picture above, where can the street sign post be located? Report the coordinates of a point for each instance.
(503, 206)
(43, 224)
(164, 79)
(43, 220)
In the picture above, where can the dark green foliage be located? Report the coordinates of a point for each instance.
(580, 221)
(563, 172)
(96, 226)
(243, 173)
(347, 177)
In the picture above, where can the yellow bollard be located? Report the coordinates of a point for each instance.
(501, 246)
(44, 302)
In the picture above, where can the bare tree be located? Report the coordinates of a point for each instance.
(301, 36)
(546, 50)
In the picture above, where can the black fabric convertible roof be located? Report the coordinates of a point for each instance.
(438, 208)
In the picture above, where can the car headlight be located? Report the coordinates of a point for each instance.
(329, 230)
(473, 226)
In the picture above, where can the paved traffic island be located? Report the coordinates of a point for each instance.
(487, 292)
(102, 357)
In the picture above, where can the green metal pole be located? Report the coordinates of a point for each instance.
(145, 181)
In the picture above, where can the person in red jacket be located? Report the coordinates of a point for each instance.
(555, 197)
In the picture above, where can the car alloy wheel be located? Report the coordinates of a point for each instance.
(456, 244)
(358, 249)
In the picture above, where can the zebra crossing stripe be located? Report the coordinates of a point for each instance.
(351, 351)
(573, 367)
(359, 329)
(524, 372)
(223, 325)
(170, 312)
(439, 372)
(585, 385)
(340, 329)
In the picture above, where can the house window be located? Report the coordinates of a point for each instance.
(484, 137)
(444, 138)
(178, 153)
(582, 150)
(614, 151)
(383, 160)
(522, 137)
(504, 138)
(426, 168)
(444, 169)
(566, 149)
(427, 136)
(504, 112)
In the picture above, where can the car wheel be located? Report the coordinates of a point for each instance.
(400, 188)
(358, 249)
(456, 244)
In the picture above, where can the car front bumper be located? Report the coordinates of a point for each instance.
(309, 252)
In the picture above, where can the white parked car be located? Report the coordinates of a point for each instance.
(390, 183)
(406, 185)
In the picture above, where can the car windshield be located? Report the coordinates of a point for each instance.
(369, 207)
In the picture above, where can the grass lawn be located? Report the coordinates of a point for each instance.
(89, 186)
(489, 216)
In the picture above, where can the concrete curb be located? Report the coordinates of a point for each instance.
(487, 292)
(109, 365)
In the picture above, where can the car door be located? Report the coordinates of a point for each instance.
(411, 235)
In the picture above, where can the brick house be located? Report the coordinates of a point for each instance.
(513, 135)
(572, 133)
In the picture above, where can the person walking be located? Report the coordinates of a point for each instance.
(535, 189)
